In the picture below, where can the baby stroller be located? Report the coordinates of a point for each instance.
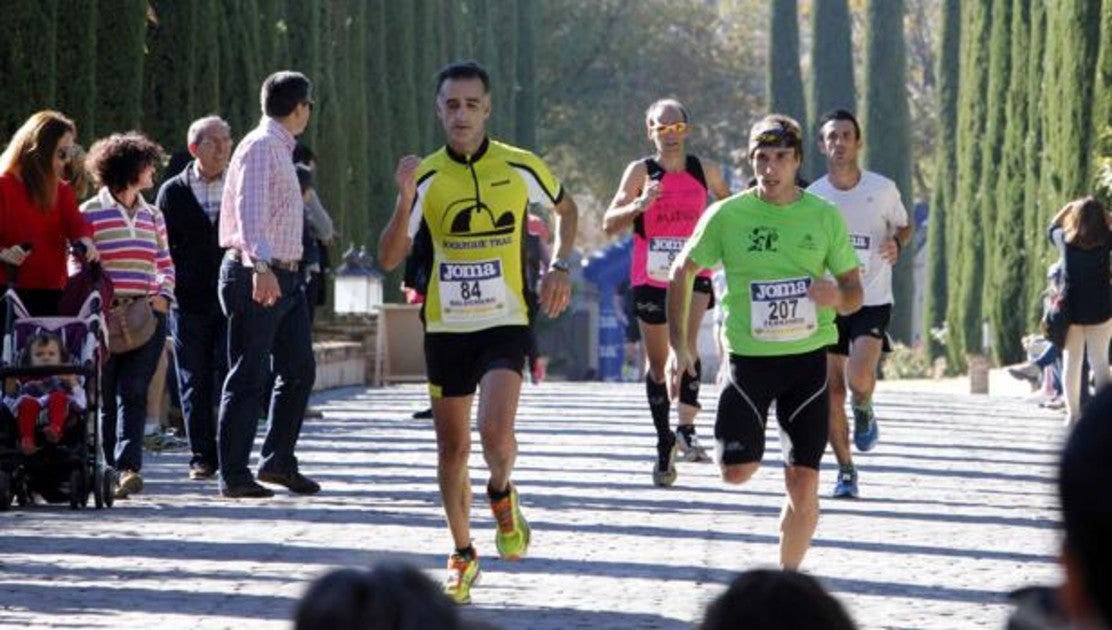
(74, 466)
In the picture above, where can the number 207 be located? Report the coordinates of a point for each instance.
(781, 309)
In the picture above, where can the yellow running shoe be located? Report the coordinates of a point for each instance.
(463, 572)
(512, 535)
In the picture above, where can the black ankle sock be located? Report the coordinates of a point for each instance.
(659, 406)
(687, 430)
(498, 496)
(466, 552)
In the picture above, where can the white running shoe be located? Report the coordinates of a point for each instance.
(690, 448)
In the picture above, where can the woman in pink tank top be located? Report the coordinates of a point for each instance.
(661, 198)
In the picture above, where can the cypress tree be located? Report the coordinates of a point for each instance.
(964, 313)
(1034, 173)
(999, 55)
(525, 134)
(120, 56)
(430, 58)
(204, 73)
(1078, 37)
(1011, 254)
(402, 97)
(357, 84)
(304, 19)
(832, 83)
(76, 62)
(382, 156)
(887, 131)
(167, 90)
(505, 15)
(27, 61)
(939, 228)
(1102, 108)
(784, 89)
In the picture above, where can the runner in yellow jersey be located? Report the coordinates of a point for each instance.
(463, 208)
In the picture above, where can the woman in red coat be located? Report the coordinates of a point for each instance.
(38, 211)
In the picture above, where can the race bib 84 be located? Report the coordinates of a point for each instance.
(472, 291)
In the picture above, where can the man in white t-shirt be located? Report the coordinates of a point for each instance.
(879, 229)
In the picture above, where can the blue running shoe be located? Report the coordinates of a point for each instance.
(846, 486)
(865, 429)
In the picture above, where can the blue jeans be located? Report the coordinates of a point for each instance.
(255, 334)
(201, 361)
(124, 381)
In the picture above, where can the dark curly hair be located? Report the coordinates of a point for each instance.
(117, 161)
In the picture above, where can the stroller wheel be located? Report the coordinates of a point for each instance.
(76, 488)
(5, 491)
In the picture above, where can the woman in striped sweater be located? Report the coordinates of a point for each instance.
(131, 237)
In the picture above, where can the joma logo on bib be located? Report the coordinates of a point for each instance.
(463, 271)
(764, 291)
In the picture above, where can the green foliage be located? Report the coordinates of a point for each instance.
(964, 312)
(887, 130)
(831, 85)
(784, 88)
(940, 226)
(27, 60)
(525, 133)
(120, 64)
(1011, 253)
(999, 48)
(1033, 205)
(905, 362)
(76, 90)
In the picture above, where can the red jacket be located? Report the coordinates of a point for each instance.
(48, 233)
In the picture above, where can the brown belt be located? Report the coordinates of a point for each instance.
(285, 265)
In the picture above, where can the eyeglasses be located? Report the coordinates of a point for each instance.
(67, 154)
(676, 128)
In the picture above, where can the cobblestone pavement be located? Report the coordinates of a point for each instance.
(957, 510)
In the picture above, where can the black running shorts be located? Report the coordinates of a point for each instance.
(650, 303)
(871, 321)
(798, 385)
(456, 362)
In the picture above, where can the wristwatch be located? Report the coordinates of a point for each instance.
(559, 264)
(261, 266)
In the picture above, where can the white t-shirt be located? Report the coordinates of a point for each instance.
(873, 212)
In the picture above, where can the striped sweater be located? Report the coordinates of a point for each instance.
(133, 247)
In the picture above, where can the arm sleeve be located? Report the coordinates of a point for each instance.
(164, 266)
(318, 219)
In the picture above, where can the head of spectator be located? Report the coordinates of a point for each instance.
(302, 154)
(38, 153)
(1085, 225)
(1084, 479)
(209, 141)
(395, 596)
(124, 163)
(287, 97)
(775, 600)
(304, 181)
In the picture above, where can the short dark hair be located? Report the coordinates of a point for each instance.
(392, 595)
(781, 600)
(838, 114)
(302, 154)
(116, 161)
(283, 91)
(463, 70)
(304, 177)
(1084, 476)
(776, 130)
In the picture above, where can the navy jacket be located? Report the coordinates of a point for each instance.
(194, 245)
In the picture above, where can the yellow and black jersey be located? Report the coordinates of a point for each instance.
(468, 226)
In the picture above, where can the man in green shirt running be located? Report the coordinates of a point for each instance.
(776, 243)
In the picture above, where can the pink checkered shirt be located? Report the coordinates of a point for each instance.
(261, 212)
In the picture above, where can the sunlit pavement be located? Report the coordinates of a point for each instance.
(957, 509)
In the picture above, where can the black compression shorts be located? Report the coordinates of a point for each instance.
(649, 302)
(456, 362)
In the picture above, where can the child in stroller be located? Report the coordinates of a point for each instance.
(50, 401)
(53, 363)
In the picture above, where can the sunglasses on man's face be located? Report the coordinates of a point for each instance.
(676, 128)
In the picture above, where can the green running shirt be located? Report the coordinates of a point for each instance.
(770, 255)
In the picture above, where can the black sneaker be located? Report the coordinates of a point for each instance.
(295, 482)
(246, 490)
(664, 472)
